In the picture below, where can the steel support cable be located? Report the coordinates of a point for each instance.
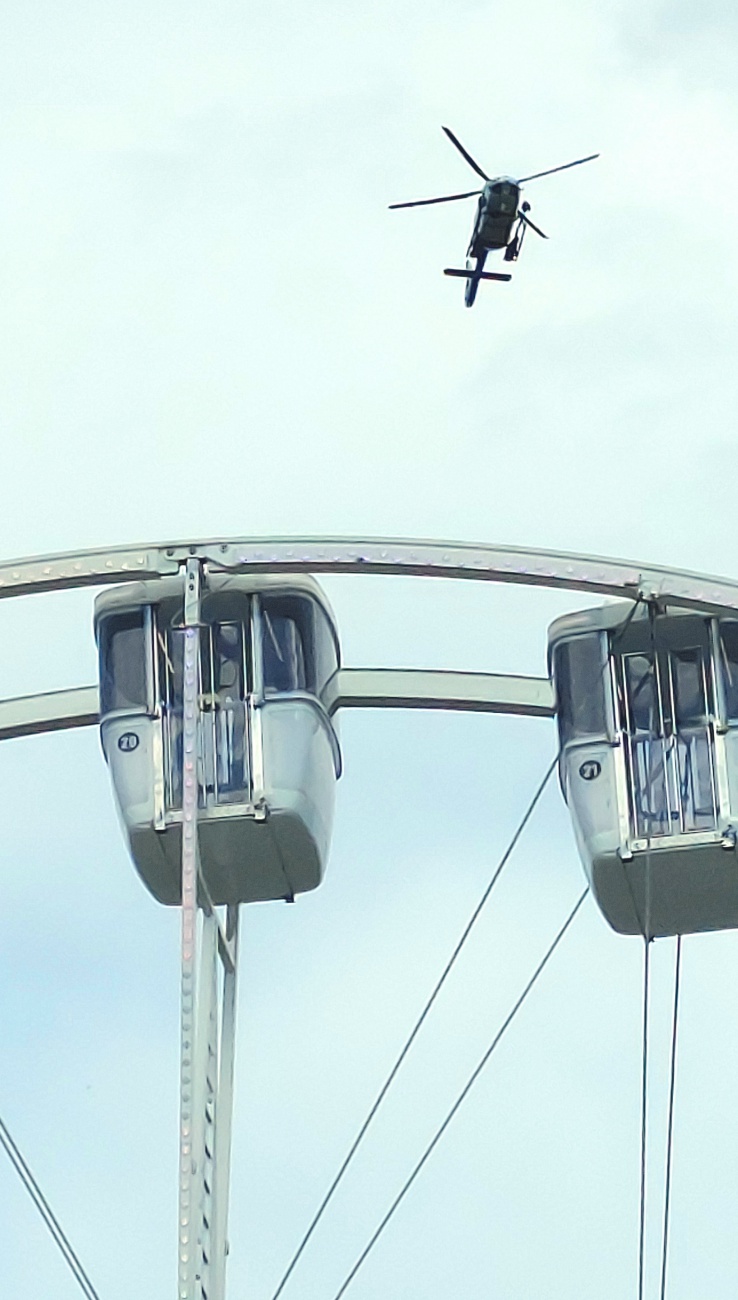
(47, 1214)
(461, 1097)
(644, 1128)
(647, 938)
(670, 1121)
(416, 1028)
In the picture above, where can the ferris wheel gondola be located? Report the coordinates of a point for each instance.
(647, 708)
(269, 754)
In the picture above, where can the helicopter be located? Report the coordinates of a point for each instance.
(499, 222)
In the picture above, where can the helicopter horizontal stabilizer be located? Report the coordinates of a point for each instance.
(474, 275)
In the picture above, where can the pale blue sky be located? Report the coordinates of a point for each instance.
(210, 324)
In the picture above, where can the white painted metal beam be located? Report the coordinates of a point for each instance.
(417, 688)
(29, 715)
(375, 555)
(353, 688)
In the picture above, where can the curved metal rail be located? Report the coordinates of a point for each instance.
(354, 688)
(428, 559)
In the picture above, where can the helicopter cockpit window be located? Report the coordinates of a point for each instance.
(122, 648)
(729, 668)
(580, 688)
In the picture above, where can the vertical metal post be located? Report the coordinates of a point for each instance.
(224, 1112)
(207, 1028)
(206, 1094)
(189, 1127)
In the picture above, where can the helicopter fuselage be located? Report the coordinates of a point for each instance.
(497, 211)
(498, 223)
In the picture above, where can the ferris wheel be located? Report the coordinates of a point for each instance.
(220, 685)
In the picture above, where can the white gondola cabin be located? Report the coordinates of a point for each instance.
(647, 706)
(269, 753)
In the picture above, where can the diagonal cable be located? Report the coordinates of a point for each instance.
(416, 1029)
(47, 1214)
(670, 1122)
(461, 1097)
(619, 632)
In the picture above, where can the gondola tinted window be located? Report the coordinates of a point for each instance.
(640, 708)
(228, 664)
(123, 682)
(285, 644)
(229, 718)
(729, 667)
(690, 687)
(580, 688)
(325, 649)
(297, 644)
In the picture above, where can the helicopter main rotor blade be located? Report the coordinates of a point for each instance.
(577, 162)
(532, 225)
(447, 198)
(464, 153)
